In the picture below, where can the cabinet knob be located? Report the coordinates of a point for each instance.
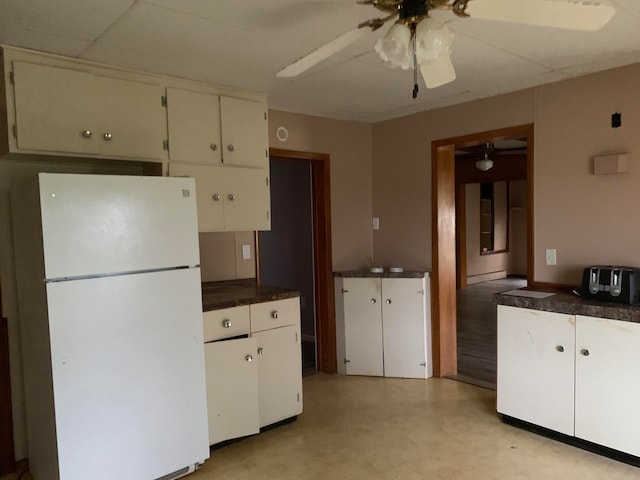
(108, 136)
(216, 197)
(560, 348)
(87, 133)
(585, 352)
(231, 197)
(260, 351)
(373, 300)
(226, 323)
(388, 301)
(249, 358)
(214, 147)
(230, 147)
(275, 314)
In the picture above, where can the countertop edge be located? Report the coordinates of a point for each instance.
(570, 305)
(385, 274)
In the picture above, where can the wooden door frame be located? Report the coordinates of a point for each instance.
(7, 452)
(443, 228)
(323, 266)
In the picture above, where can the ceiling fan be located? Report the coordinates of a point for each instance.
(420, 42)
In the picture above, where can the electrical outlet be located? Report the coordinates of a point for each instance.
(551, 256)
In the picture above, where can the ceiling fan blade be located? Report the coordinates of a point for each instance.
(570, 14)
(322, 53)
(438, 72)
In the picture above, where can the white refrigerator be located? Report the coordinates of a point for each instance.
(110, 313)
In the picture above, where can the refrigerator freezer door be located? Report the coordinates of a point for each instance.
(102, 224)
(128, 375)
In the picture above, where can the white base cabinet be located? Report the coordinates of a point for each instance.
(575, 375)
(256, 380)
(383, 326)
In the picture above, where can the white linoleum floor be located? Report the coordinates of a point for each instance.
(395, 429)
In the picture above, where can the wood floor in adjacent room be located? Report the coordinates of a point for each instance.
(357, 428)
(476, 329)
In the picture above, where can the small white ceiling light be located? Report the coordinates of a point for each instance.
(395, 47)
(486, 163)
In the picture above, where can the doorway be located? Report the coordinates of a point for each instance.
(449, 259)
(304, 174)
(286, 251)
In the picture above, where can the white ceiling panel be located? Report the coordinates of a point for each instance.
(204, 72)
(163, 33)
(554, 47)
(46, 42)
(243, 43)
(85, 19)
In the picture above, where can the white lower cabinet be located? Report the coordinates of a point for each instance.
(256, 380)
(232, 389)
(575, 375)
(279, 376)
(536, 352)
(382, 326)
(607, 383)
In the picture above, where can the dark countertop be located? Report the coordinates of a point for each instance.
(386, 274)
(234, 293)
(574, 305)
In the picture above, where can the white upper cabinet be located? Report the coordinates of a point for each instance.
(229, 199)
(194, 127)
(245, 136)
(66, 111)
(208, 129)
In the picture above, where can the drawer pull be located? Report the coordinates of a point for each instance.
(87, 133)
(275, 314)
(388, 301)
(373, 300)
(260, 351)
(214, 147)
(108, 136)
(249, 358)
(560, 348)
(216, 197)
(585, 352)
(226, 323)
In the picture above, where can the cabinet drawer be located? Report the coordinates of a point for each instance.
(278, 313)
(225, 323)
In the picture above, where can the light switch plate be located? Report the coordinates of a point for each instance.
(246, 252)
(376, 223)
(551, 256)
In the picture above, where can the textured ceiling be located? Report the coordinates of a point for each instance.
(243, 43)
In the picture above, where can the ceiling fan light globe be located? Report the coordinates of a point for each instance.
(433, 39)
(484, 164)
(394, 47)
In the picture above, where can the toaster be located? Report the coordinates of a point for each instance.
(612, 284)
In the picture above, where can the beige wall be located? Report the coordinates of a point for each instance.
(402, 170)
(221, 256)
(587, 218)
(349, 145)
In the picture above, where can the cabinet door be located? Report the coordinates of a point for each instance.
(607, 383)
(363, 327)
(54, 107)
(209, 191)
(536, 367)
(404, 327)
(232, 388)
(133, 120)
(245, 137)
(194, 127)
(247, 201)
(279, 374)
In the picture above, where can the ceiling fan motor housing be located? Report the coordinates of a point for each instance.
(413, 9)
